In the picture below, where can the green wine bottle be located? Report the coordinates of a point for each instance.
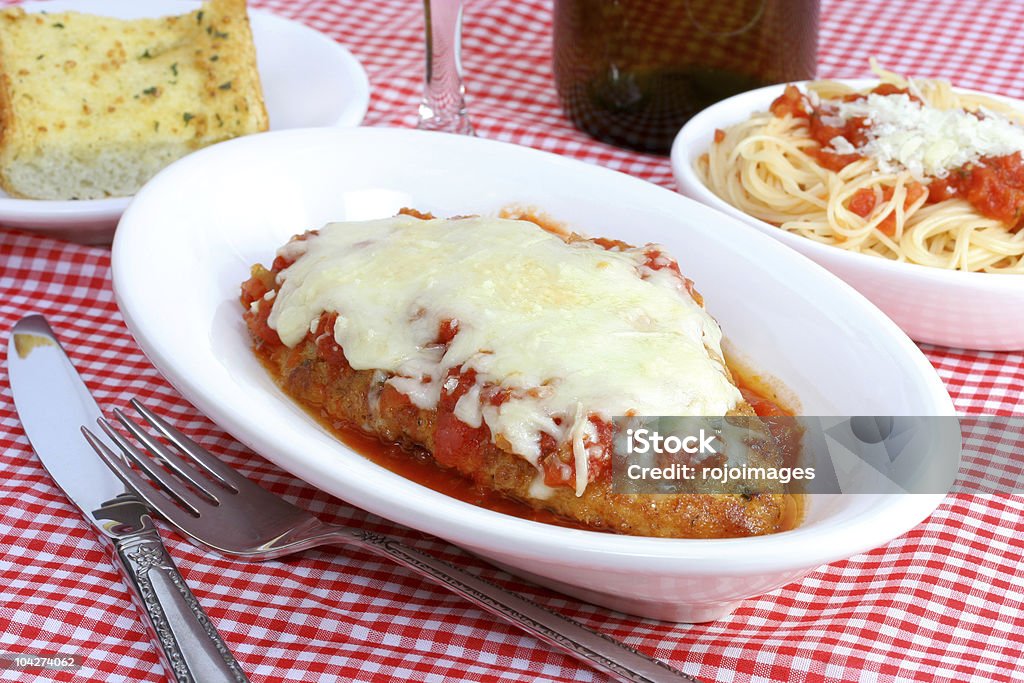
(632, 72)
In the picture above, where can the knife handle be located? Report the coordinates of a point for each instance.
(191, 649)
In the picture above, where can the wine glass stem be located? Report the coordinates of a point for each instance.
(444, 106)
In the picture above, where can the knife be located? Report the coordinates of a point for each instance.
(53, 405)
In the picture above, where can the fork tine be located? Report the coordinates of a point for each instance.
(170, 458)
(173, 486)
(142, 488)
(228, 475)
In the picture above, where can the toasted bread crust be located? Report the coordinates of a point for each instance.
(8, 130)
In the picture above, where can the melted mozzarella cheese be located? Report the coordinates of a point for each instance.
(924, 140)
(571, 328)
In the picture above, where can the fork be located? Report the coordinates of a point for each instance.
(218, 507)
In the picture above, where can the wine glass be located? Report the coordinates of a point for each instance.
(443, 106)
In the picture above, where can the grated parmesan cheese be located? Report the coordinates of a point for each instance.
(926, 141)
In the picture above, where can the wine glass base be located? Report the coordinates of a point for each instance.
(458, 124)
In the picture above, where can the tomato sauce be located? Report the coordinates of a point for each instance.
(863, 203)
(417, 465)
(994, 186)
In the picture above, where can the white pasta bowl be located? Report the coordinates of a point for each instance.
(178, 264)
(952, 308)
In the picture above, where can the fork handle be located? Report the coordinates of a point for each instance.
(191, 649)
(598, 650)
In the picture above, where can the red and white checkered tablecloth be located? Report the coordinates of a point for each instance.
(943, 602)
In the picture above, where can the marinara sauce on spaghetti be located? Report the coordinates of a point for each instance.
(909, 170)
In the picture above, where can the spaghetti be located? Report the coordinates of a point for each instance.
(819, 164)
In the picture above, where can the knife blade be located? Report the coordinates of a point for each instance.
(53, 405)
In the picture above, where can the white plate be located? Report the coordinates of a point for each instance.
(953, 308)
(308, 80)
(178, 266)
